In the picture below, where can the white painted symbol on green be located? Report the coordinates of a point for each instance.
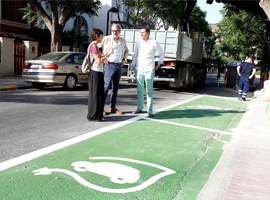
(118, 173)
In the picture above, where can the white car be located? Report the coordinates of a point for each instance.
(55, 68)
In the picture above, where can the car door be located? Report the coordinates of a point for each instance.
(76, 61)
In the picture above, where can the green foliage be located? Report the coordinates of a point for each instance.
(55, 14)
(149, 12)
(75, 7)
(198, 22)
(241, 32)
(141, 14)
(28, 13)
(169, 13)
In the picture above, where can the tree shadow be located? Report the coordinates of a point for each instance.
(193, 113)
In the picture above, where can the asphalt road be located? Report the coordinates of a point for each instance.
(32, 119)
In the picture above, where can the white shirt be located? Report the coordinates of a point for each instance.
(117, 55)
(144, 55)
(96, 67)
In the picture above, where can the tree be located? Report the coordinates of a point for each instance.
(55, 14)
(242, 32)
(169, 12)
(142, 14)
(149, 12)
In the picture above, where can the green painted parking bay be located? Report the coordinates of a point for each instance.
(168, 157)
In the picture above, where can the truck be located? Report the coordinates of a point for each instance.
(183, 65)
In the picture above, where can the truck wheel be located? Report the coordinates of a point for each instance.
(192, 78)
(178, 78)
(187, 75)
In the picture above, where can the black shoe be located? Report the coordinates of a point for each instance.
(100, 120)
(151, 115)
(137, 111)
(97, 120)
(243, 98)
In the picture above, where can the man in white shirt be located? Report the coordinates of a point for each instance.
(144, 64)
(114, 63)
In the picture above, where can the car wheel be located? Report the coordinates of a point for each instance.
(39, 85)
(70, 82)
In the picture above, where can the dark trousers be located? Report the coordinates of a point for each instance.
(112, 75)
(96, 95)
(243, 87)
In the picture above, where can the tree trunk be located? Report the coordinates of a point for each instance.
(55, 29)
(56, 38)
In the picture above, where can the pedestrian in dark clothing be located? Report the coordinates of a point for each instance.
(96, 77)
(246, 70)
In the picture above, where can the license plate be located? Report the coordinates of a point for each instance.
(36, 66)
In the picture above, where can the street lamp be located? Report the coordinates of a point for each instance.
(113, 10)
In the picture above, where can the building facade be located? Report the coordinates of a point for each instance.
(14, 32)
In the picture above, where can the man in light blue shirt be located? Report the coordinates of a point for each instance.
(143, 62)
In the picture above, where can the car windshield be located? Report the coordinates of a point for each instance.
(51, 56)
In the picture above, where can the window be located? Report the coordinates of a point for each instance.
(10, 10)
(80, 27)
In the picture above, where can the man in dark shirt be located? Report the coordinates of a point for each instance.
(246, 70)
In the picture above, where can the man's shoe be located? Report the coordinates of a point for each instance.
(151, 115)
(100, 120)
(116, 111)
(137, 111)
(243, 98)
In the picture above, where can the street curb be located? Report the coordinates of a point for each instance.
(8, 87)
(217, 185)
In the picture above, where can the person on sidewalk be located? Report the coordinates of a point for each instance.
(246, 70)
(144, 64)
(114, 63)
(96, 77)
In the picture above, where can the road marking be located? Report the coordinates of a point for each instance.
(118, 173)
(190, 126)
(41, 152)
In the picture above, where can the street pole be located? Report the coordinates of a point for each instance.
(114, 10)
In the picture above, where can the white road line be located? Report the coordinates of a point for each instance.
(41, 152)
(186, 125)
(180, 103)
(190, 126)
(35, 154)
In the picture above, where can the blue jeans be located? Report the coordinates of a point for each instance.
(243, 87)
(148, 77)
(112, 75)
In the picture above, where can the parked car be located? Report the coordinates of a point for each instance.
(55, 68)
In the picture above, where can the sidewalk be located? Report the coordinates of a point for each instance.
(13, 83)
(243, 170)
